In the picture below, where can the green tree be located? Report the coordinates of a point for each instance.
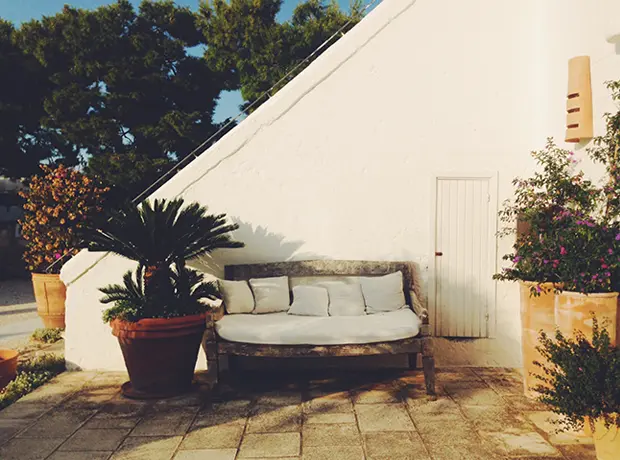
(125, 90)
(24, 143)
(255, 51)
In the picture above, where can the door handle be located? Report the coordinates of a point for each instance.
(439, 254)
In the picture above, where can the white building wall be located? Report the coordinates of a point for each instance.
(339, 164)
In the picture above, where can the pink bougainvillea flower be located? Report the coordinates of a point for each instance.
(538, 288)
(610, 251)
(57, 256)
(604, 266)
(618, 237)
(563, 250)
(517, 259)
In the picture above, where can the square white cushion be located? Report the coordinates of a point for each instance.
(309, 301)
(383, 293)
(237, 296)
(270, 294)
(345, 299)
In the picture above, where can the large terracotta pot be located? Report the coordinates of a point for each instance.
(606, 441)
(160, 354)
(8, 366)
(573, 311)
(50, 294)
(537, 313)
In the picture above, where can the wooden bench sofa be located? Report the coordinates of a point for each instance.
(218, 350)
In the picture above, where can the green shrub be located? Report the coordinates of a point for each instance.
(46, 335)
(31, 374)
(582, 377)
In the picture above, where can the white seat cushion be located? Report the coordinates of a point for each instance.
(283, 329)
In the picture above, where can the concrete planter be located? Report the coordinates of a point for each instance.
(50, 294)
(537, 313)
(606, 441)
(573, 311)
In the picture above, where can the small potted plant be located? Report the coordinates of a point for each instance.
(581, 382)
(58, 206)
(159, 315)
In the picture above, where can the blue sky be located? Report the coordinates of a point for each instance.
(18, 11)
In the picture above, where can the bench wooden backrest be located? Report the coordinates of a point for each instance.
(301, 268)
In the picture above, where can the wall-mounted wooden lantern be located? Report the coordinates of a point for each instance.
(579, 124)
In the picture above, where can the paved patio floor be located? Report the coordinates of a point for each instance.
(478, 414)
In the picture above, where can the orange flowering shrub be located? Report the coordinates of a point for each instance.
(59, 204)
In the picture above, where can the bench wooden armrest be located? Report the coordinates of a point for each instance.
(418, 308)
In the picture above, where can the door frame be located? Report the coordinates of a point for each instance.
(492, 176)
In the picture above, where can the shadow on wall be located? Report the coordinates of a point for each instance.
(261, 245)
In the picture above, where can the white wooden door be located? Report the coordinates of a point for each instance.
(464, 259)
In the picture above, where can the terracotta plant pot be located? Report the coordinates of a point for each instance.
(537, 313)
(573, 311)
(8, 366)
(160, 354)
(606, 441)
(50, 294)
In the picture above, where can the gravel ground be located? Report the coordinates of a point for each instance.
(18, 313)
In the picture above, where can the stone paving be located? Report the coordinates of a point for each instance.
(479, 413)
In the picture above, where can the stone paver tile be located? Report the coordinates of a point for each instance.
(492, 418)
(206, 454)
(456, 375)
(334, 435)
(346, 417)
(279, 398)
(77, 378)
(29, 449)
(84, 440)
(395, 445)
(213, 437)
(270, 445)
(25, 410)
(519, 403)
(88, 400)
(546, 421)
(169, 422)
(97, 423)
(425, 408)
(10, 427)
(578, 451)
(476, 397)
(332, 453)
(233, 405)
(326, 404)
(377, 396)
(433, 431)
(383, 417)
(195, 398)
(462, 451)
(86, 455)
(50, 394)
(529, 444)
(275, 419)
(147, 447)
(220, 418)
(59, 423)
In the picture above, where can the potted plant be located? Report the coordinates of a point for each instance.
(8, 366)
(58, 205)
(581, 382)
(159, 315)
(553, 190)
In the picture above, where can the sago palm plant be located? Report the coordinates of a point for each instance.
(182, 295)
(162, 234)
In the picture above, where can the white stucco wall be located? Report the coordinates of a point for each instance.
(339, 163)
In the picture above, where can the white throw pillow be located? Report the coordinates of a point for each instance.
(383, 293)
(345, 299)
(237, 296)
(270, 294)
(309, 301)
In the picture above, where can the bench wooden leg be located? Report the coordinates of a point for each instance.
(223, 366)
(413, 360)
(428, 364)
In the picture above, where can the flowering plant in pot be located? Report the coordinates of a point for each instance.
(581, 382)
(159, 314)
(58, 206)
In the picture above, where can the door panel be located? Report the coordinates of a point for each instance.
(464, 257)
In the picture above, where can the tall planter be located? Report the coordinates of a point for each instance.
(50, 294)
(606, 441)
(573, 311)
(160, 354)
(8, 366)
(537, 313)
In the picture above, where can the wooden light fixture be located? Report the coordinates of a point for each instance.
(579, 124)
